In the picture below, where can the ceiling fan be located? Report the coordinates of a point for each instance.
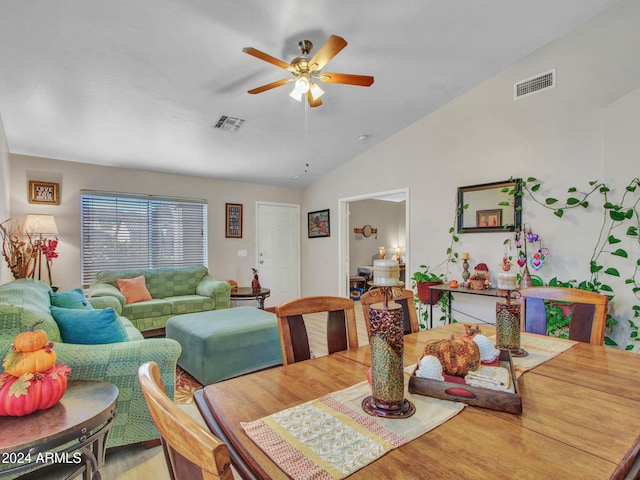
(306, 70)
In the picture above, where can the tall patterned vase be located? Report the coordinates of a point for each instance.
(508, 327)
(386, 342)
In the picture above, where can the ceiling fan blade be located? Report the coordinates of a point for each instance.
(345, 78)
(267, 58)
(329, 50)
(313, 103)
(269, 86)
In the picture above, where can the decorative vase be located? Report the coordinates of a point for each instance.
(386, 342)
(525, 281)
(508, 327)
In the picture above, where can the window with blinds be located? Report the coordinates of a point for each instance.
(140, 231)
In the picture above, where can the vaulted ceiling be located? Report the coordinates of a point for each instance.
(140, 84)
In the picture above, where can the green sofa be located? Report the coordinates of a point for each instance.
(174, 291)
(25, 301)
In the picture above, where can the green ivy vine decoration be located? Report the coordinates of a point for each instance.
(452, 256)
(620, 223)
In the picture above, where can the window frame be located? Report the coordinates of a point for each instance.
(139, 231)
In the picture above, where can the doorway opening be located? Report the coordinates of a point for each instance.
(391, 222)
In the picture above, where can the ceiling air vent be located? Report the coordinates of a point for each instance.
(537, 84)
(229, 124)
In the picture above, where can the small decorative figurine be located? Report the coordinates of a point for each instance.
(480, 278)
(255, 283)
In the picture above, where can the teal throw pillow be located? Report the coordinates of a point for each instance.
(89, 327)
(70, 299)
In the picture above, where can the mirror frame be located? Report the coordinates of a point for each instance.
(514, 186)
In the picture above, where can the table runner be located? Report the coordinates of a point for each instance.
(540, 349)
(332, 437)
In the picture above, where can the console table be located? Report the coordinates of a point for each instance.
(247, 293)
(489, 292)
(80, 422)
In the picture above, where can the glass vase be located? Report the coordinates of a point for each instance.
(386, 342)
(508, 327)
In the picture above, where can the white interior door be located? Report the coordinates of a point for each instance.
(278, 251)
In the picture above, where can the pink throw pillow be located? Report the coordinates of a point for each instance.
(134, 289)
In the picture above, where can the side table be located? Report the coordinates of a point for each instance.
(79, 422)
(489, 292)
(247, 293)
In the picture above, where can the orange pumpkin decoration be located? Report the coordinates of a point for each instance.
(23, 395)
(19, 363)
(31, 380)
(32, 340)
(458, 356)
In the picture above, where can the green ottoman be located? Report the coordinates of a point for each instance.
(220, 344)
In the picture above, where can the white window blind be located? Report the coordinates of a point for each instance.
(132, 231)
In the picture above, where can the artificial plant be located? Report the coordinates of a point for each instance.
(620, 228)
(19, 251)
(452, 257)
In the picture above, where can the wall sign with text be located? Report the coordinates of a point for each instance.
(45, 193)
(233, 227)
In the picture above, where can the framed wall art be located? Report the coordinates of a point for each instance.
(489, 218)
(45, 193)
(318, 224)
(233, 224)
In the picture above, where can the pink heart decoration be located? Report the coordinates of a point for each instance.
(522, 261)
(536, 263)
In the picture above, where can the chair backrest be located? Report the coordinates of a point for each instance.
(342, 333)
(190, 450)
(402, 296)
(588, 319)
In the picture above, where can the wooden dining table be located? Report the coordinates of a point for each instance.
(580, 417)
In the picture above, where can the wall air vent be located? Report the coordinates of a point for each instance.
(229, 124)
(537, 84)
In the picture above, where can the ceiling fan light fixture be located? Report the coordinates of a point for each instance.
(301, 87)
(306, 69)
(316, 91)
(296, 95)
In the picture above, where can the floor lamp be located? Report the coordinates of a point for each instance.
(39, 226)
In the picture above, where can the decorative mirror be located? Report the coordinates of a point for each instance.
(490, 207)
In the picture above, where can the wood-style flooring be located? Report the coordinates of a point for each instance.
(140, 463)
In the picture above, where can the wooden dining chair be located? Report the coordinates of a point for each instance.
(190, 451)
(402, 296)
(588, 319)
(342, 333)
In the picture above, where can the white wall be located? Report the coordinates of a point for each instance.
(5, 274)
(224, 262)
(585, 129)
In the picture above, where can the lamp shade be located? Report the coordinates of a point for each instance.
(316, 91)
(35, 224)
